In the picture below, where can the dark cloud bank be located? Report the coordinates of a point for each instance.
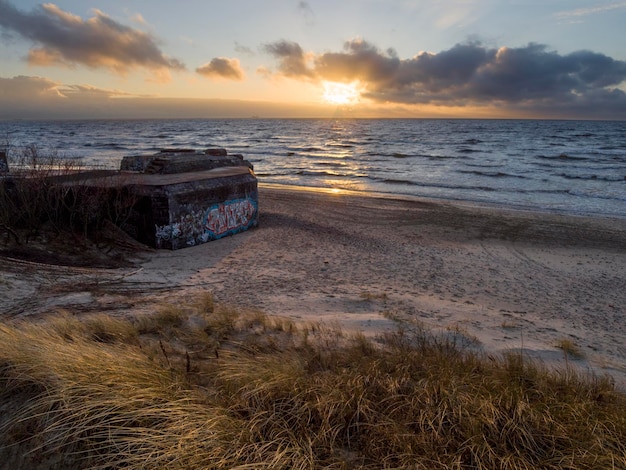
(530, 79)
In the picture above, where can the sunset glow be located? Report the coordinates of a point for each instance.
(294, 58)
(341, 93)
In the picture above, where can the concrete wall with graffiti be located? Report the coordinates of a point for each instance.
(200, 226)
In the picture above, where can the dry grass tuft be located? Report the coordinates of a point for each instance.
(570, 349)
(204, 386)
(374, 296)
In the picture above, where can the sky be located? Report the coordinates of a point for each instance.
(76, 59)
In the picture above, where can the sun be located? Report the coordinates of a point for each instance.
(340, 93)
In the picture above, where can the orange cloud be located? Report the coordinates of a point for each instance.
(98, 42)
(38, 97)
(22, 89)
(222, 67)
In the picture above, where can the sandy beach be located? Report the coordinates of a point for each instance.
(503, 280)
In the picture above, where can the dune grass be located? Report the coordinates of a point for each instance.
(202, 386)
(570, 348)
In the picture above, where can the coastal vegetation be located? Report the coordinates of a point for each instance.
(45, 195)
(204, 385)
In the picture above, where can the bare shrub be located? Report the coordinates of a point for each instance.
(45, 191)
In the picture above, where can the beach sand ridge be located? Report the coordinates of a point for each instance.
(503, 280)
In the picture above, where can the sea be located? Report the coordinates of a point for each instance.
(571, 167)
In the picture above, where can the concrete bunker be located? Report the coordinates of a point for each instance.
(183, 197)
(173, 199)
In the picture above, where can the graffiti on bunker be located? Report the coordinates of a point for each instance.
(215, 222)
(221, 219)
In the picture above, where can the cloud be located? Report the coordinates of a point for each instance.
(222, 67)
(138, 18)
(24, 97)
(469, 74)
(22, 89)
(304, 9)
(241, 49)
(292, 59)
(62, 38)
(360, 61)
(89, 92)
(582, 12)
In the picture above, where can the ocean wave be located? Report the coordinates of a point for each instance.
(612, 147)
(273, 174)
(305, 149)
(394, 181)
(323, 173)
(598, 195)
(563, 157)
(560, 137)
(397, 181)
(491, 174)
(333, 164)
(611, 179)
(109, 146)
(609, 166)
(523, 192)
(340, 146)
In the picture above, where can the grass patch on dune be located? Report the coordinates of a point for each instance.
(570, 348)
(202, 386)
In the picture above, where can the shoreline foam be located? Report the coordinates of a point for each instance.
(462, 203)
